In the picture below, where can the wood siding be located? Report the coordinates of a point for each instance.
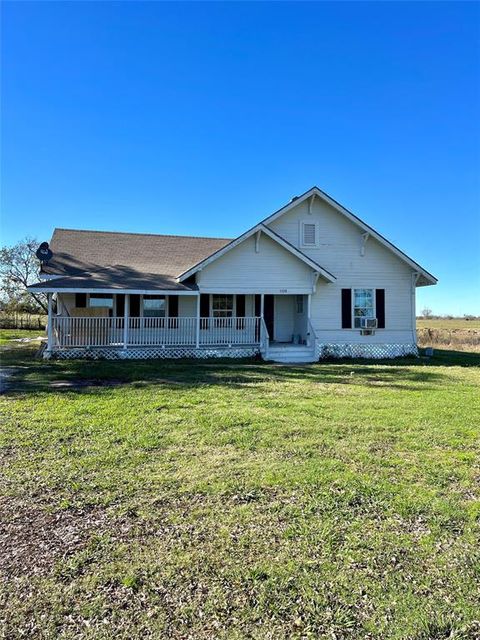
(340, 251)
(242, 270)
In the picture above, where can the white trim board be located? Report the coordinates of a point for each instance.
(148, 292)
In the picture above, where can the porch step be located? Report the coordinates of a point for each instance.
(291, 354)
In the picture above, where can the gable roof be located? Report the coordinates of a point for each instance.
(139, 261)
(259, 228)
(79, 253)
(427, 277)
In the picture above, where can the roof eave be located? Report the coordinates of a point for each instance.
(316, 191)
(110, 290)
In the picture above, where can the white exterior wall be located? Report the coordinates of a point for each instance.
(65, 303)
(339, 251)
(187, 306)
(242, 270)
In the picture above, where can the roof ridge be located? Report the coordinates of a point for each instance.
(136, 233)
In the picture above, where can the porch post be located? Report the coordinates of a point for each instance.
(262, 300)
(197, 326)
(126, 313)
(309, 308)
(49, 323)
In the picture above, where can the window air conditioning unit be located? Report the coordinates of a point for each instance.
(368, 323)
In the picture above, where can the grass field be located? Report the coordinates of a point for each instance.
(447, 324)
(179, 500)
(457, 333)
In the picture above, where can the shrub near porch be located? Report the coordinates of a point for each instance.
(240, 500)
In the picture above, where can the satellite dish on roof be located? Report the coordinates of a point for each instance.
(44, 253)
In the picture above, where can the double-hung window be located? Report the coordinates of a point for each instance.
(154, 306)
(363, 305)
(222, 306)
(101, 300)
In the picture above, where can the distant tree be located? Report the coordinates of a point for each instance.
(427, 313)
(18, 269)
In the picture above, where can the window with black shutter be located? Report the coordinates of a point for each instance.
(240, 310)
(120, 310)
(204, 310)
(346, 308)
(173, 311)
(173, 306)
(81, 300)
(380, 307)
(134, 305)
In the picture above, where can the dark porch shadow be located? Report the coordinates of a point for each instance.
(28, 374)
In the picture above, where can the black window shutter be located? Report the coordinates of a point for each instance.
(204, 305)
(120, 305)
(134, 305)
(258, 305)
(173, 306)
(346, 308)
(240, 306)
(81, 300)
(380, 307)
(240, 311)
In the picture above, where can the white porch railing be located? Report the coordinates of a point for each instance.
(264, 338)
(112, 332)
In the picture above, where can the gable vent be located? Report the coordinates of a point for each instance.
(309, 234)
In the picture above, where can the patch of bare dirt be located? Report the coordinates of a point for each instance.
(79, 383)
(33, 539)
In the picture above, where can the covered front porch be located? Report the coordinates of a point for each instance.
(137, 323)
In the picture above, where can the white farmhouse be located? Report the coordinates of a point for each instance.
(308, 282)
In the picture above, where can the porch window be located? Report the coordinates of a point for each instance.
(299, 304)
(363, 305)
(104, 300)
(222, 306)
(154, 306)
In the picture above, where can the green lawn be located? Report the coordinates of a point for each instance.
(179, 500)
(7, 335)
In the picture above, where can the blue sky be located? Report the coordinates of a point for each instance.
(203, 118)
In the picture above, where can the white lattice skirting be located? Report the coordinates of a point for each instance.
(373, 351)
(139, 353)
(323, 351)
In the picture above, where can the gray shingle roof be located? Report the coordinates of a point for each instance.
(124, 260)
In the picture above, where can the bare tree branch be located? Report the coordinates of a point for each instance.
(18, 269)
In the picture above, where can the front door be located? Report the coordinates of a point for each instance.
(268, 314)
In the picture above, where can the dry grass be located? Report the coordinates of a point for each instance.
(456, 334)
(447, 323)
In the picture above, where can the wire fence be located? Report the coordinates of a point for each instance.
(22, 321)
